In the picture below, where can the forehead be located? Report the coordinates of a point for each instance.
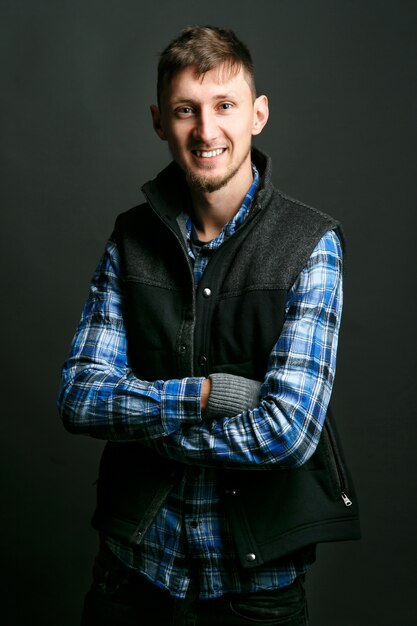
(188, 84)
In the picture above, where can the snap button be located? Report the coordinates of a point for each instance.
(207, 292)
(251, 557)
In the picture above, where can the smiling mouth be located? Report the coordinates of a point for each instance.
(209, 154)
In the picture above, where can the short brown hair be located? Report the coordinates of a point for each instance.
(204, 47)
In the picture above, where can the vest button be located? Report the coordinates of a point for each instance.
(231, 492)
(182, 349)
(203, 360)
(207, 292)
(251, 557)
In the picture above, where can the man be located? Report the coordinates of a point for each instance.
(205, 356)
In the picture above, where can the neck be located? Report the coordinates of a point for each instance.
(212, 211)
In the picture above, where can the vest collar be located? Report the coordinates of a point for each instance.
(168, 193)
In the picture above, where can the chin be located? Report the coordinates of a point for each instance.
(209, 184)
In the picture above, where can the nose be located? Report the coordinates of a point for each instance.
(206, 129)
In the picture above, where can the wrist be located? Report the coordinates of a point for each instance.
(205, 393)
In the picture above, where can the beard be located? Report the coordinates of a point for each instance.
(207, 184)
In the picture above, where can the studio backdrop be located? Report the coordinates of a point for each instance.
(76, 146)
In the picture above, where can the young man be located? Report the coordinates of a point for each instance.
(205, 356)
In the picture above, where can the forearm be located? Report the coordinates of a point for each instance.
(113, 405)
(116, 405)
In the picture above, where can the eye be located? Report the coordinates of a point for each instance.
(184, 111)
(225, 106)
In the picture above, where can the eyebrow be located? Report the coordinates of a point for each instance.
(222, 96)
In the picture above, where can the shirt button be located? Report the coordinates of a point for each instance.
(207, 292)
(251, 557)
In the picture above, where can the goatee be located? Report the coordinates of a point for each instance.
(209, 185)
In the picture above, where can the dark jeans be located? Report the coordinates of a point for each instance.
(119, 597)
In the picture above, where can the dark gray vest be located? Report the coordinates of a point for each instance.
(229, 324)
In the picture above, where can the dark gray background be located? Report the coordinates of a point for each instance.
(77, 144)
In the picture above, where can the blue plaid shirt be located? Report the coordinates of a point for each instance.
(100, 396)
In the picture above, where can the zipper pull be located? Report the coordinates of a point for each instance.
(346, 500)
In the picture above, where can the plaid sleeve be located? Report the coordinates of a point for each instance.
(99, 394)
(285, 427)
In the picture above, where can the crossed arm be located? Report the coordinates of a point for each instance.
(274, 421)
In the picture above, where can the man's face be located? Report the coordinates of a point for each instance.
(208, 122)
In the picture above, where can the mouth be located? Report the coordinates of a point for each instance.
(209, 154)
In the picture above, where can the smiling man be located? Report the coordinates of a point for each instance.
(205, 356)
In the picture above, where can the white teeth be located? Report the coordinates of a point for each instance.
(210, 154)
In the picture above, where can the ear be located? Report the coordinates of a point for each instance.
(260, 114)
(156, 121)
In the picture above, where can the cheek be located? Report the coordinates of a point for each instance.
(174, 144)
(244, 136)
(177, 139)
(242, 130)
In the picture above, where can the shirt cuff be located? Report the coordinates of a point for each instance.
(181, 403)
(230, 395)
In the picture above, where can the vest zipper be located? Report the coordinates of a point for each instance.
(182, 245)
(346, 499)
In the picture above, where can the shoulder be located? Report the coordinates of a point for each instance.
(301, 212)
(330, 244)
(135, 224)
(133, 214)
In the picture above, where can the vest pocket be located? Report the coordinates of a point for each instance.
(335, 462)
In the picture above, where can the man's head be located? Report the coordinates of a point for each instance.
(205, 48)
(207, 108)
